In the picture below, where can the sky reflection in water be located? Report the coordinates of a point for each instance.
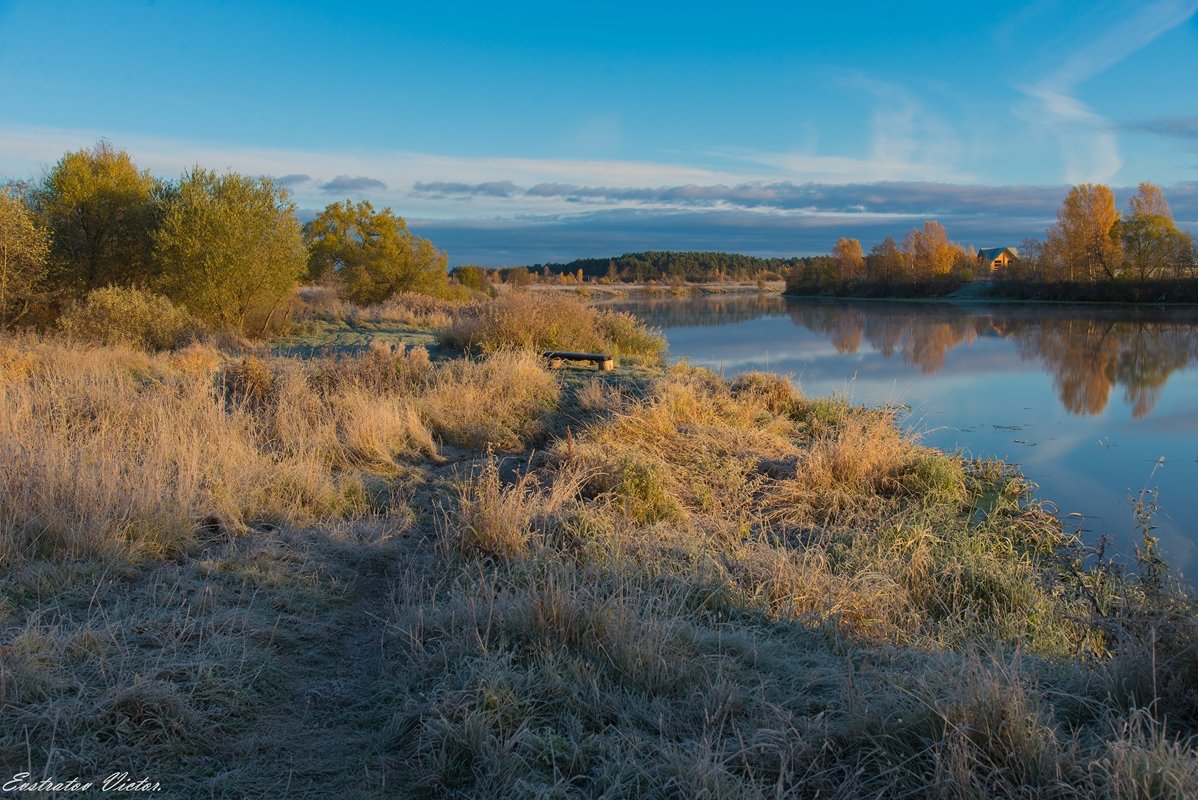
(1092, 403)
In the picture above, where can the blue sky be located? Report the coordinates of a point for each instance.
(523, 132)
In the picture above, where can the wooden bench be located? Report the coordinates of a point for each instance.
(600, 360)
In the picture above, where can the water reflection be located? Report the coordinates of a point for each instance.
(920, 334)
(1090, 355)
(1088, 351)
(673, 311)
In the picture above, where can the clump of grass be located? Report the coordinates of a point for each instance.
(996, 739)
(107, 458)
(815, 511)
(550, 321)
(1143, 761)
(505, 521)
(320, 302)
(383, 368)
(777, 394)
(125, 316)
(408, 309)
(499, 402)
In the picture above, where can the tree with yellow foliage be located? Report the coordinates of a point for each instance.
(99, 208)
(372, 255)
(1151, 241)
(850, 261)
(1086, 236)
(24, 247)
(929, 252)
(230, 249)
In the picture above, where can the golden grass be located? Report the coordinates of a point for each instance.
(499, 401)
(405, 308)
(111, 450)
(257, 575)
(126, 316)
(541, 321)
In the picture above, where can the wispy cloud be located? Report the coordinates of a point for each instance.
(1088, 142)
(907, 141)
(464, 190)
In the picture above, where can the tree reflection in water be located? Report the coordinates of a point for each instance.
(1088, 351)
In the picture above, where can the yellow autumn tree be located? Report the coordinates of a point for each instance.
(1085, 238)
(850, 260)
(371, 255)
(230, 249)
(24, 247)
(929, 252)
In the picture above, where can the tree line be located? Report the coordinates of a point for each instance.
(926, 262)
(662, 265)
(1092, 242)
(1092, 252)
(227, 248)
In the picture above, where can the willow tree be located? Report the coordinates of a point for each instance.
(1151, 241)
(1086, 236)
(371, 254)
(99, 208)
(230, 249)
(24, 248)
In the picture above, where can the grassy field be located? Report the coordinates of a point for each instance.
(365, 563)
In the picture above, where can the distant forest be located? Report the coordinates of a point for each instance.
(673, 266)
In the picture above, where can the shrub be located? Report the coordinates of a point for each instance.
(475, 279)
(550, 321)
(116, 316)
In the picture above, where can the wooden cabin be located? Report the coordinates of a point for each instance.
(996, 258)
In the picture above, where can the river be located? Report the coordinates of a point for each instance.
(1094, 404)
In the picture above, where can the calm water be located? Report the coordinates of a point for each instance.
(1093, 404)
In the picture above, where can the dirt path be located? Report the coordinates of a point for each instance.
(316, 742)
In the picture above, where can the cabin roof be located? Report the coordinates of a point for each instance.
(991, 253)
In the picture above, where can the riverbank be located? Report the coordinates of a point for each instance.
(397, 570)
(611, 291)
(988, 291)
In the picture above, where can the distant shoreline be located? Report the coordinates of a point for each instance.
(620, 290)
(977, 293)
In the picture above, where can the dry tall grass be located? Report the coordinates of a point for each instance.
(131, 317)
(111, 450)
(550, 321)
(256, 576)
(732, 591)
(405, 308)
